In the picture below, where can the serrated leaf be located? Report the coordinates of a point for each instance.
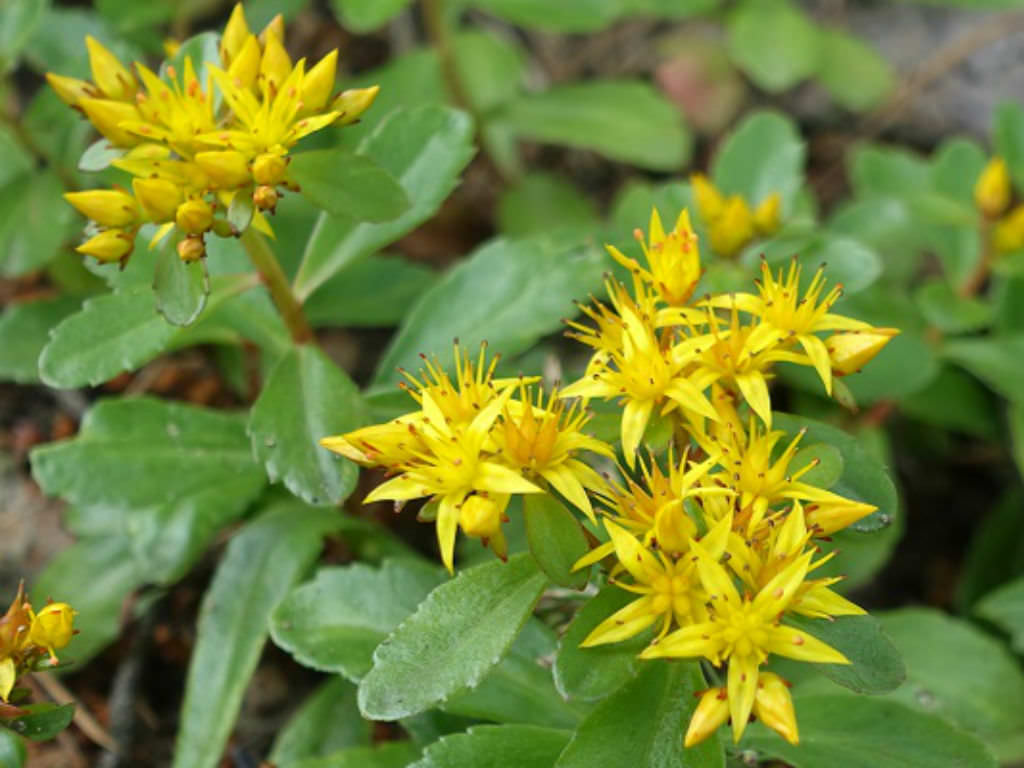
(181, 288)
(367, 15)
(349, 185)
(875, 664)
(643, 723)
(25, 330)
(774, 43)
(424, 149)
(43, 722)
(865, 732)
(327, 721)
(590, 674)
(852, 72)
(623, 120)
(334, 622)
(166, 476)
(306, 397)
(556, 539)
(508, 293)
(261, 564)
(496, 746)
(460, 631)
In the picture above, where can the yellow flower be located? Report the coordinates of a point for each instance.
(112, 77)
(992, 189)
(1008, 232)
(107, 207)
(773, 706)
(711, 713)
(109, 245)
(850, 351)
(743, 631)
(767, 214)
(733, 228)
(710, 202)
(673, 260)
(15, 624)
(52, 628)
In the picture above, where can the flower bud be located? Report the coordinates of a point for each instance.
(107, 115)
(227, 169)
(275, 65)
(992, 190)
(236, 32)
(710, 202)
(107, 207)
(246, 65)
(194, 216)
(767, 214)
(191, 248)
(1008, 233)
(269, 169)
(711, 712)
(159, 198)
(733, 229)
(108, 246)
(273, 31)
(318, 83)
(265, 198)
(479, 517)
(827, 517)
(110, 75)
(223, 228)
(52, 627)
(353, 102)
(8, 676)
(71, 90)
(773, 706)
(850, 351)
(14, 624)
(673, 529)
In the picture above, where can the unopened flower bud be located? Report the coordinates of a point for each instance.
(52, 627)
(773, 706)
(849, 351)
(159, 198)
(276, 65)
(353, 102)
(227, 169)
(269, 169)
(14, 624)
(767, 214)
(992, 190)
(1008, 233)
(71, 90)
(223, 228)
(710, 202)
(236, 32)
(273, 31)
(194, 216)
(734, 228)
(265, 198)
(246, 65)
(191, 248)
(107, 115)
(711, 712)
(110, 75)
(107, 207)
(8, 676)
(108, 246)
(479, 517)
(318, 83)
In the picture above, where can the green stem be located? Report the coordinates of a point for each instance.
(273, 277)
(976, 279)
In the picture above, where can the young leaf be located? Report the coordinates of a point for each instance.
(556, 539)
(865, 732)
(25, 330)
(181, 289)
(460, 631)
(590, 674)
(164, 475)
(774, 43)
(425, 150)
(327, 721)
(643, 723)
(876, 665)
(540, 202)
(950, 312)
(344, 184)
(997, 361)
(496, 746)
(1005, 608)
(852, 72)
(305, 398)
(508, 293)
(261, 564)
(44, 721)
(12, 750)
(334, 622)
(623, 120)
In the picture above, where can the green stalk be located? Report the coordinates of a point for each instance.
(273, 277)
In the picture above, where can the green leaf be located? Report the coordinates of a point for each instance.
(334, 622)
(539, 202)
(181, 288)
(34, 222)
(623, 120)
(460, 631)
(950, 312)
(564, 16)
(851, 71)
(25, 330)
(862, 732)
(43, 722)
(590, 674)
(960, 674)
(306, 397)
(376, 291)
(261, 564)
(556, 539)
(327, 721)
(998, 361)
(774, 43)
(12, 750)
(1005, 608)
(508, 293)
(344, 184)
(240, 212)
(975, 411)
(876, 665)
(164, 476)
(955, 165)
(425, 149)
(643, 723)
(763, 155)
(496, 746)
(829, 468)
(389, 754)
(19, 19)
(491, 68)
(1008, 136)
(99, 155)
(367, 15)
(876, 170)
(113, 575)
(996, 551)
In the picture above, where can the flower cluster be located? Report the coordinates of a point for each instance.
(473, 443)
(993, 194)
(720, 546)
(29, 639)
(731, 220)
(194, 147)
